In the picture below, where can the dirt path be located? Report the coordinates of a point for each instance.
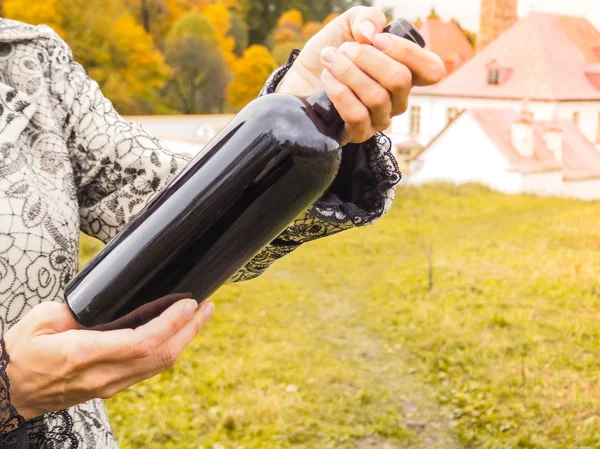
(382, 367)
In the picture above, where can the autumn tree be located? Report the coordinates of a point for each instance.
(239, 32)
(251, 71)
(47, 12)
(262, 15)
(310, 29)
(220, 18)
(158, 16)
(289, 26)
(291, 33)
(201, 76)
(108, 42)
(330, 18)
(433, 14)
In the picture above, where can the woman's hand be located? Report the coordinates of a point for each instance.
(367, 74)
(54, 364)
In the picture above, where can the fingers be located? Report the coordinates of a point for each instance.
(355, 114)
(371, 93)
(426, 67)
(162, 359)
(365, 23)
(389, 74)
(142, 342)
(168, 353)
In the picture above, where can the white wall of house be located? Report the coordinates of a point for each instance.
(463, 154)
(434, 114)
(588, 189)
(589, 117)
(543, 184)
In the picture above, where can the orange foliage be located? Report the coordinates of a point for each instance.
(285, 35)
(47, 12)
(330, 18)
(251, 72)
(310, 29)
(292, 18)
(220, 17)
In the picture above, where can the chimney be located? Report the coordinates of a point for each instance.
(522, 132)
(496, 16)
(553, 138)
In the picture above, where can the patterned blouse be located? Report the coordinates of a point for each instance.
(69, 162)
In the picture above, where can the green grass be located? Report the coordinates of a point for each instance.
(343, 345)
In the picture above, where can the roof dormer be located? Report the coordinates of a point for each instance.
(592, 73)
(498, 73)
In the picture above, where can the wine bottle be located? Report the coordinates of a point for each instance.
(265, 168)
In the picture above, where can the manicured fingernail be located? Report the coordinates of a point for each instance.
(382, 42)
(367, 29)
(328, 76)
(329, 55)
(190, 308)
(207, 310)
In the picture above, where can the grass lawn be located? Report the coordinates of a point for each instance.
(344, 345)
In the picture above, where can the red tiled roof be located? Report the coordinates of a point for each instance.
(497, 124)
(548, 56)
(447, 41)
(581, 159)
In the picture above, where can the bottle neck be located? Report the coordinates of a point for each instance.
(323, 107)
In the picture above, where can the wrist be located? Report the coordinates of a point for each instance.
(12, 416)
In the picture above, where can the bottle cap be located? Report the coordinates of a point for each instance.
(403, 28)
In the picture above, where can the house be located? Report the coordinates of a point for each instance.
(448, 41)
(552, 60)
(510, 152)
(183, 133)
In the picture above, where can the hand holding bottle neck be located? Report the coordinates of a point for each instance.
(322, 104)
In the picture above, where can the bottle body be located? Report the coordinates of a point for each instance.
(268, 165)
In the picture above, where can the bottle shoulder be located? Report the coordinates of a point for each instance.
(290, 118)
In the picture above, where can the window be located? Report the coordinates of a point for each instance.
(494, 77)
(415, 120)
(451, 114)
(576, 118)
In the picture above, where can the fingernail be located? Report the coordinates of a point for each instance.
(367, 29)
(329, 55)
(190, 308)
(382, 42)
(207, 310)
(328, 76)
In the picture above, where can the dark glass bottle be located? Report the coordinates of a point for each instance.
(266, 167)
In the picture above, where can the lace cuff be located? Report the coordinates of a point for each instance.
(276, 77)
(362, 192)
(10, 420)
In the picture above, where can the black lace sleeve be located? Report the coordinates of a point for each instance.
(10, 420)
(361, 193)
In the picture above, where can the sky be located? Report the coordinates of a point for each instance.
(467, 11)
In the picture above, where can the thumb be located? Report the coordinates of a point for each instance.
(50, 318)
(365, 22)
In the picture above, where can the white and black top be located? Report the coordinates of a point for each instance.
(68, 161)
